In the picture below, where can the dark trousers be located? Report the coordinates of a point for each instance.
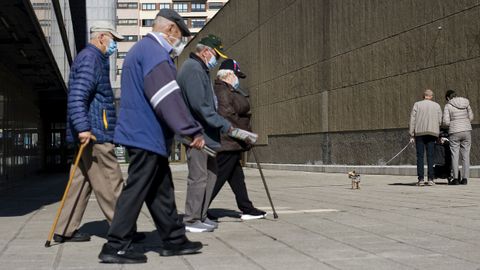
(230, 169)
(150, 181)
(422, 142)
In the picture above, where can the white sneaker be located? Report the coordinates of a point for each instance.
(197, 227)
(254, 214)
(210, 223)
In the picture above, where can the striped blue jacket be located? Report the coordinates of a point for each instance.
(151, 107)
(90, 104)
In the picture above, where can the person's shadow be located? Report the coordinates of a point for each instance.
(218, 213)
(414, 184)
(97, 228)
(151, 242)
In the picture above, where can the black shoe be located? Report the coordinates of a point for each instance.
(138, 236)
(112, 255)
(76, 237)
(187, 247)
(454, 182)
(464, 181)
(212, 217)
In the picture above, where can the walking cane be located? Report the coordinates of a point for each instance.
(59, 211)
(264, 183)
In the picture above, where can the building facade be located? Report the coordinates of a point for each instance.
(334, 81)
(135, 18)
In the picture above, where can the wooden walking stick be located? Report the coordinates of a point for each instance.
(59, 211)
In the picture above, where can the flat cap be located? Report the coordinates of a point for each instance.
(106, 26)
(173, 16)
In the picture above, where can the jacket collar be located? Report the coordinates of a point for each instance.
(161, 40)
(198, 59)
(97, 51)
(230, 87)
(223, 83)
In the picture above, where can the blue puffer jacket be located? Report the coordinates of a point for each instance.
(90, 98)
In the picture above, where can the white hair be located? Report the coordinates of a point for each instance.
(200, 47)
(94, 35)
(161, 22)
(224, 73)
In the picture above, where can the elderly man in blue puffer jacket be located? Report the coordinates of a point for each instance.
(91, 120)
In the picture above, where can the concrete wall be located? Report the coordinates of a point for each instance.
(333, 81)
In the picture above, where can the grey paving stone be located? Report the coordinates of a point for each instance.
(387, 224)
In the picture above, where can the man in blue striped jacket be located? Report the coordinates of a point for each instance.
(91, 112)
(151, 111)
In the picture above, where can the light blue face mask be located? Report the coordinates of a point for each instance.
(212, 62)
(112, 48)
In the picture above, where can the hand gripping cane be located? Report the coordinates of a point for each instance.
(264, 182)
(59, 211)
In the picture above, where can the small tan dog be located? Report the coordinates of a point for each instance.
(355, 177)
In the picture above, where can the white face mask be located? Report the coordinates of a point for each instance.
(236, 82)
(178, 49)
(178, 45)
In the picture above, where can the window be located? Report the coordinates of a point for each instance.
(149, 6)
(41, 5)
(180, 7)
(127, 22)
(215, 5)
(130, 5)
(147, 22)
(163, 5)
(198, 23)
(130, 38)
(197, 7)
(121, 55)
(45, 23)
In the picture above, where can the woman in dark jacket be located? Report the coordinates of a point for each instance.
(233, 105)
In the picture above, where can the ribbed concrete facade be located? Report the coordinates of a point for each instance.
(333, 81)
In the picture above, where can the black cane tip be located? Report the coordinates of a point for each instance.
(275, 216)
(47, 244)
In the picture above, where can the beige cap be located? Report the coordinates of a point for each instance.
(106, 26)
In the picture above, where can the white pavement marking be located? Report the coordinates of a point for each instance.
(307, 211)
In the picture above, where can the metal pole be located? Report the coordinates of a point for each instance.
(264, 182)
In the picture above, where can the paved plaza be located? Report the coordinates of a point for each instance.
(323, 224)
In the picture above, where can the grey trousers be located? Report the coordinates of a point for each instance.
(202, 175)
(98, 170)
(460, 143)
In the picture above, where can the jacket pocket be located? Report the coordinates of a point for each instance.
(105, 121)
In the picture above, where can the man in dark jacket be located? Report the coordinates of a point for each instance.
(91, 112)
(196, 86)
(234, 106)
(151, 110)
